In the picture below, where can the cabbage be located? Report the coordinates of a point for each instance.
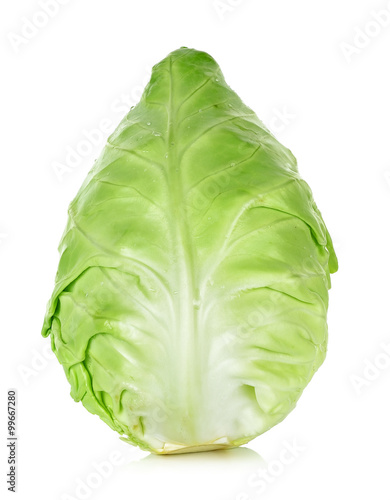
(189, 309)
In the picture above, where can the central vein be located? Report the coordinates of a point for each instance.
(186, 298)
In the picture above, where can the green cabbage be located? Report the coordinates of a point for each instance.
(189, 310)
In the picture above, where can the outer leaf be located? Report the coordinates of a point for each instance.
(190, 303)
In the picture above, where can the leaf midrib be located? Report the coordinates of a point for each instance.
(185, 278)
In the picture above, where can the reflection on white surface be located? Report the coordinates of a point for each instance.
(236, 458)
(214, 475)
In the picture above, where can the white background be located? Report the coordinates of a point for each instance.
(306, 61)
